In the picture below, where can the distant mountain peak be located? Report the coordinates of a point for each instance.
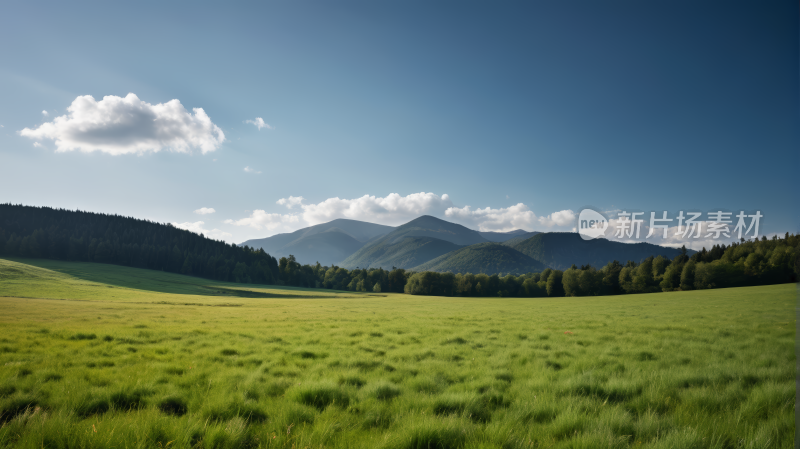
(427, 220)
(431, 237)
(327, 243)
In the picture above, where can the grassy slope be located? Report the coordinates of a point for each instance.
(668, 370)
(488, 258)
(559, 250)
(51, 279)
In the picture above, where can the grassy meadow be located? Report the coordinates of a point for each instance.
(105, 356)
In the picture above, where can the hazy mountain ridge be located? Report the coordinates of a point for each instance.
(325, 247)
(560, 250)
(326, 243)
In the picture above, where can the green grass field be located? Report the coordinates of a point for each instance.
(111, 357)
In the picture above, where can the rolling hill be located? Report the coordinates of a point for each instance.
(518, 239)
(413, 244)
(489, 258)
(326, 243)
(506, 236)
(559, 250)
(406, 253)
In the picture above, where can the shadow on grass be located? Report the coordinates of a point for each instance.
(124, 277)
(153, 280)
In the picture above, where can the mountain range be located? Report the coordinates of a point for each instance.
(560, 250)
(432, 244)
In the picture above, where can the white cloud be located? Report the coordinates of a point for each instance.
(44, 113)
(392, 209)
(518, 216)
(488, 219)
(251, 170)
(197, 228)
(260, 123)
(291, 201)
(205, 211)
(395, 210)
(117, 125)
(561, 218)
(259, 220)
(38, 145)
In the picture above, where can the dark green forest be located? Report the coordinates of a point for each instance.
(61, 234)
(483, 258)
(42, 232)
(560, 250)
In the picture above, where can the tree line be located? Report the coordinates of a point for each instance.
(747, 263)
(43, 232)
(84, 236)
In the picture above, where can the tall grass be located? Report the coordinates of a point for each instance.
(139, 368)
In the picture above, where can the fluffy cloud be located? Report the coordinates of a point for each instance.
(205, 211)
(395, 209)
(116, 125)
(251, 170)
(37, 145)
(392, 209)
(518, 216)
(291, 201)
(259, 220)
(45, 113)
(562, 218)
(260, 123)
(488, 219)
(197, 228)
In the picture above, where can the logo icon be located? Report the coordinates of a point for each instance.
(591, 224)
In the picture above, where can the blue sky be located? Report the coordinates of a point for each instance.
(529, 109)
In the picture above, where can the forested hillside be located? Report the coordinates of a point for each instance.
(560, 250)
(506, 236)
(86, 236)
(412, 244)
(488, 258)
